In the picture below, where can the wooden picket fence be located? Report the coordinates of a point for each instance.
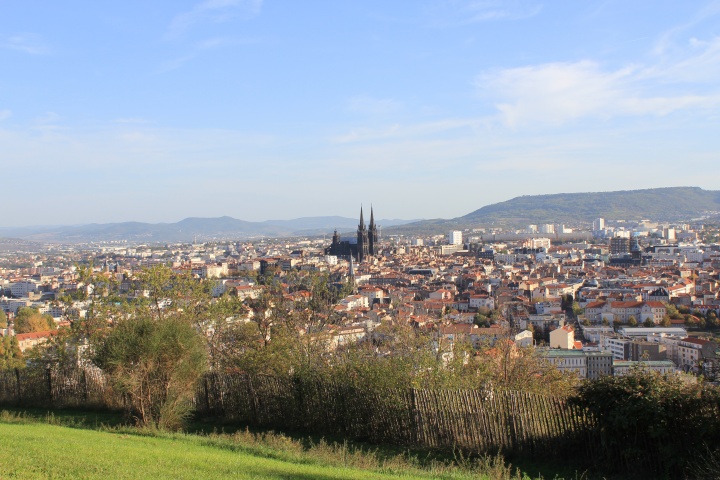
(53, 388)
(486, 421)
(513, 423)
(510, 422)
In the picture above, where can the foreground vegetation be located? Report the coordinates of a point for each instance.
(48, 448)
(156, 335)
(161, 348)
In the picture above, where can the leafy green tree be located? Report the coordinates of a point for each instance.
(482, 317)
(481, 320)
(675, 418)
(3, 319)
(10, 354)
(648, 323)
(665, 322)
(503, 365)
(712, 319)
(153, 350)
(156, 363)
(632, 321)
(31, 320)
(672, 311)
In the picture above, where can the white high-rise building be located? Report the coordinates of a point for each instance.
(455, 237)
(547, 228)
(598, 225)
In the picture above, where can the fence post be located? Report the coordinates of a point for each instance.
(415, 435)
(48, 375)
(19, 388)
(207, 393)
(86, 393)
(253, 400)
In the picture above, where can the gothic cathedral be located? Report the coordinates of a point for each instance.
(366, 243)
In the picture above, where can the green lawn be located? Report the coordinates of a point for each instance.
(39, 450)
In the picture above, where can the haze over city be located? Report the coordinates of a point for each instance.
(156, 111)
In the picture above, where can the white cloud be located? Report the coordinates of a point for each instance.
(557, 93)
(700, 65)
(213, 11)
(667, 42)
(26, 42)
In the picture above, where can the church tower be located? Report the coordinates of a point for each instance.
(362, 239)
(372, 235)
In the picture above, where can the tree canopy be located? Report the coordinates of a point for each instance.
(30, 320)
(150, 344)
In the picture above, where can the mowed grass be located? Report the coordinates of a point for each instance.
(35, 448)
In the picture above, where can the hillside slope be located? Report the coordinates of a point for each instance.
(660, 204)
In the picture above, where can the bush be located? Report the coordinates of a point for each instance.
(155, 364)
(650, 422)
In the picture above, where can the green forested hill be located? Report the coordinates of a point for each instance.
(661, 204)
(656, 204)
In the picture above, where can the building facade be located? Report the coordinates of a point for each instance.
(360, 247)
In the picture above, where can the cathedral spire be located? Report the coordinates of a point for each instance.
(362, 222)
(372, 218)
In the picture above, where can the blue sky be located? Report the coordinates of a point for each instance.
(264, 109)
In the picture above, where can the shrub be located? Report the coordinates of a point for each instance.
(155, 363)
(651, 422)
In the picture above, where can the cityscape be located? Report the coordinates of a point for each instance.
(626, 292)
(442, 239)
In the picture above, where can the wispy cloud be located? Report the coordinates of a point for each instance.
(403, 132)
(47, 122)
(556, 93)
(200, 47)
(47, 118)
(29, 43)
(461, 12)
(213, 11)
(668, 40)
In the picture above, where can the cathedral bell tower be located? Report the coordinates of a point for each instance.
(363, 243)
(372, 235)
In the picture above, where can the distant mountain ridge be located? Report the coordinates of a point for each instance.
(655, 204)
(188, 229)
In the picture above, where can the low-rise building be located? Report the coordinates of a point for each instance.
(623, 367)
(563, 337)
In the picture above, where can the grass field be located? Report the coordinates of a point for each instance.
(33, 448)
